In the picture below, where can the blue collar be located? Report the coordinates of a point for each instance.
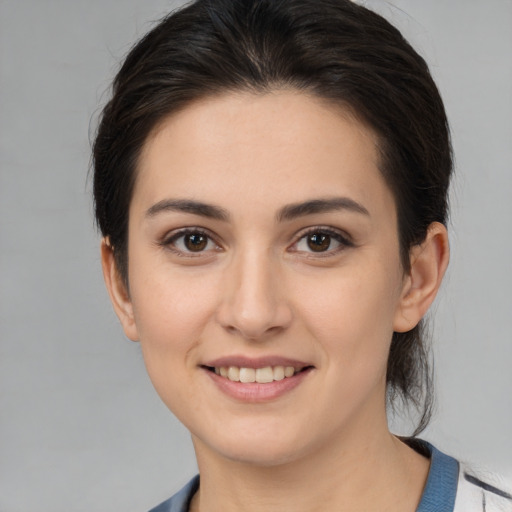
(443, 476)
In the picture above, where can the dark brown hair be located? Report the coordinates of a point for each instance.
(334, 49)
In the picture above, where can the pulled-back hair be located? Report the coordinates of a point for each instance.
(332, 49)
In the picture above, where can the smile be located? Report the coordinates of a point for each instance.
(260, 375)
(256, 380)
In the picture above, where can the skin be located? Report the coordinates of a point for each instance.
(258, 289)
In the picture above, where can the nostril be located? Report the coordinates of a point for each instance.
(254, 317)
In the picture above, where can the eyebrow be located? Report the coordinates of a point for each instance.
(287, 213)
(189, 206)
(294, 211)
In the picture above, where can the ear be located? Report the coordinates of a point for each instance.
(429, 261)
(118, 291)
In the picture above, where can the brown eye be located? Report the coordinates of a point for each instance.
(192, 243)
(322, 241)
(319, 242)
(195, 242)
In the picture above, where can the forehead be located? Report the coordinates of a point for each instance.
(285, 145)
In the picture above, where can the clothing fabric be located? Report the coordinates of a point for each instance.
(450, 487)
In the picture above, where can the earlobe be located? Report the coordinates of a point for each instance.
(117, 291)
(429, 261)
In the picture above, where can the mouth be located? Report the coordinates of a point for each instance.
(256, 380)
(264, 375)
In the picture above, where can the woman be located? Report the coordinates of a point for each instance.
(271, 184)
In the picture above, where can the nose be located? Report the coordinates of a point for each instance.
(253, 302)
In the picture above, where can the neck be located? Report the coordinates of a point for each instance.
(376, 473)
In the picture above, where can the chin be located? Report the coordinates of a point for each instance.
(266, 447)
(269, 455)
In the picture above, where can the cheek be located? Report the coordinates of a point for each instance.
(171, 310)
(352, 314)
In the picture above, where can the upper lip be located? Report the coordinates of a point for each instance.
(254, 362)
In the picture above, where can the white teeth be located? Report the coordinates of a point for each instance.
(234, 373)
(260, 375)
(279, 373)
(264, 375)
(289, 371)
(247, 375)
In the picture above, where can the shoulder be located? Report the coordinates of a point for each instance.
(181, 500)
(481, 492)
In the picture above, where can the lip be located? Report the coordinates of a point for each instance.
(255, 362)
(255, 392)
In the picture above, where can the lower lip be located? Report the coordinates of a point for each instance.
(255, 392)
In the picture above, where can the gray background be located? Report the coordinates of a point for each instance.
(81, 428)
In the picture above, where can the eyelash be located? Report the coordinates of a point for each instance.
(169, 242)
(343, 240)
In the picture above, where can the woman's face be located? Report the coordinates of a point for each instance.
(262, 236)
